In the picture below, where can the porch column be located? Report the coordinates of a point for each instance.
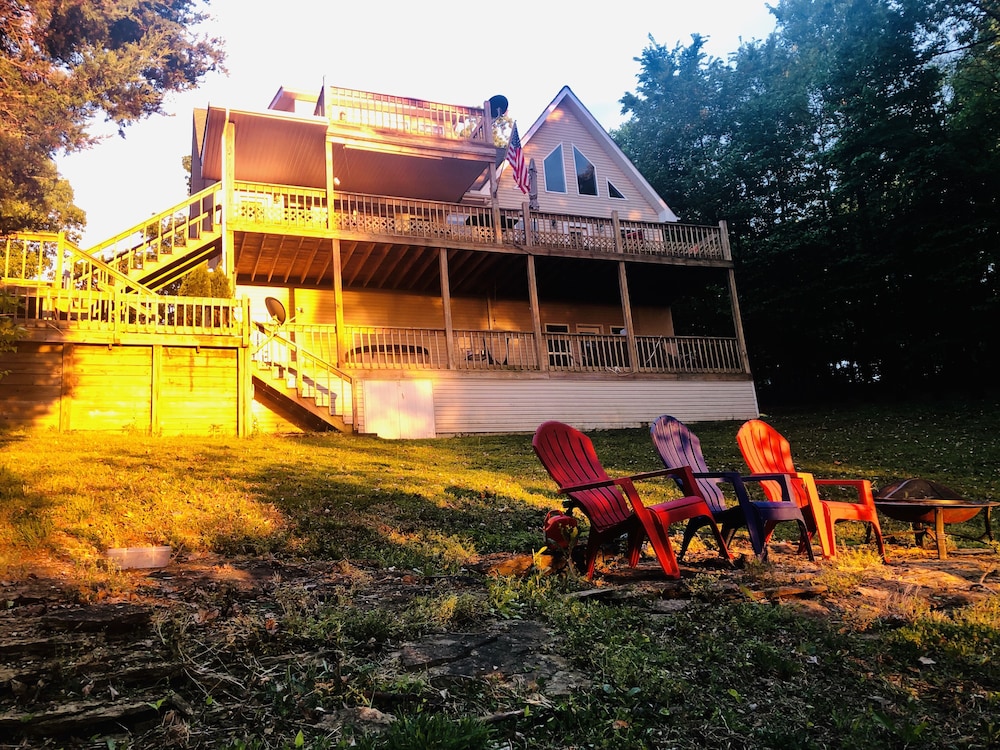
(244, 399)
(330, 184)
(244, 377)
(449, 329)
(633, 351)
(734, 300)
(338, 303)
(616, 227)
(738, 322)
(528, 233)
(541, 348)
(495, 207)
(229, 196)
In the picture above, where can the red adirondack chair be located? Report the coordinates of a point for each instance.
(613, 506)
(678, 446)
(765, 450)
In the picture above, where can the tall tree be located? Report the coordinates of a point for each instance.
(676, 125)
(65, 63)
(854, 153)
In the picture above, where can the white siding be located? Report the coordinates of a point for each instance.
(564, 127)
(466, 405)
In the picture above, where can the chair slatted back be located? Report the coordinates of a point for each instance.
(766, 451)
(570, 459)
(678, 446)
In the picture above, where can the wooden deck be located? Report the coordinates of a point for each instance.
(291, 210)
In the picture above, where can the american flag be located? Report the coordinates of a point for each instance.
(515, 155)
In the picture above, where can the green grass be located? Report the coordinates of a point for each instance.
(431, 504)
(716, 673)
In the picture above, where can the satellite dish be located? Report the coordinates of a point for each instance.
(275, 309)
(498, 105)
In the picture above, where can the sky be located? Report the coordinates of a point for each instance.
(451, 52)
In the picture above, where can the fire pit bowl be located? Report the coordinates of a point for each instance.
(915, 500)
(914, 512)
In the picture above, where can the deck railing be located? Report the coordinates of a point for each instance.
(387, 348)
(281, 205)
(398, 217)
(49, 305)
(259, 205)
(674, 240)
(55, 307)
(395, 348)
(701, 354)
(561, 231)
(405, 115)
(495, 350)
(585, 352)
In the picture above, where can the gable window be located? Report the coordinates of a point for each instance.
(614, 192)
(555, 175)
(586, 174)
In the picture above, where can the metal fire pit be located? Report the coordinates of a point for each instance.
(919, 502)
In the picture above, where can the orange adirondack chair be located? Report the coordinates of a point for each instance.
(613, 506)
(765, 451)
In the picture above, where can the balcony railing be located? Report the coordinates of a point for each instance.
(395, 348)
(258, 205)
(405, 115)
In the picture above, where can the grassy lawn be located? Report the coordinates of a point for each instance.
(721, 672)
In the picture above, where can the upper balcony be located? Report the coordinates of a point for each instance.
(350, 108)
(379, 144)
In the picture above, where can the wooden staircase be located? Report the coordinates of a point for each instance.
(167, 245)
(306, 389)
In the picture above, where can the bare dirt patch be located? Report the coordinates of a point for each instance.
(77, 661)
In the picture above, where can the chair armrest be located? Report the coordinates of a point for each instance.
(739, 482)
(682, 473)
(784, 481)
(862, 486)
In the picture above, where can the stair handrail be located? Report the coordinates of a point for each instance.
(53, 276)
(275, 335)
(157, 221)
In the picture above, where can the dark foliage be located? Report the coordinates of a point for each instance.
(855, 155)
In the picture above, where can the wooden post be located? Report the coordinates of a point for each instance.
(244, 392)
(633, 349)
(60, 252)
(616, 227)
(541, 348)
(229, 196)
(449, 329)
(330, 184)
(156, 368)
(734, 300)
(338, 303)
(526, 213)
(727, 251)
(495, 206)
(66, 376)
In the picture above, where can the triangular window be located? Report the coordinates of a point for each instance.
(614, 192)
